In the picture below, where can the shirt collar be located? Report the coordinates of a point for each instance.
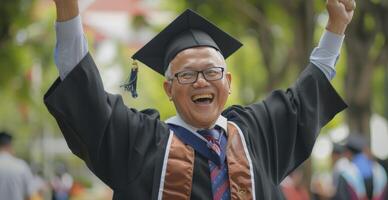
(177, 120)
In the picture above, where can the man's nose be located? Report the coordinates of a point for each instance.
(201, 81)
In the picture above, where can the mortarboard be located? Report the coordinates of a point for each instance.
(338, 148)
(356, 142)
(188, 30)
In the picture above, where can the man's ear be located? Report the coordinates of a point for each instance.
(229, 79)
(167, 85)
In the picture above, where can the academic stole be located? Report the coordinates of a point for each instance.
(180, 164)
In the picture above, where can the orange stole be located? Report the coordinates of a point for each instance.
(180, 164)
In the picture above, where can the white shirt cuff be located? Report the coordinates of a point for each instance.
(326, 55)
(69, 29)
(331, 42)
(71, 45)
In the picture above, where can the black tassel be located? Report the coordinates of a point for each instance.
(132, 80)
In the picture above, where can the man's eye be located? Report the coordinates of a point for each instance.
(212, 72)
(186, 75)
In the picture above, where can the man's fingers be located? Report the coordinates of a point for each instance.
(353, 5)
(332, 2)
(349, 4)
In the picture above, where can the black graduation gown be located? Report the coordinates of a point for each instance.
(125, 147)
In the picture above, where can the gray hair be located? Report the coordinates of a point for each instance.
(168, 74)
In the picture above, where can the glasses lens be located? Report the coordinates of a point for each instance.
(213, 73)
(187, 76)
(190, 76)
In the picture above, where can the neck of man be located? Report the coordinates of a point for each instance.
(198, 126)
(6, 149)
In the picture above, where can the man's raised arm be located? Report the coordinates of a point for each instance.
(326, 54)
(71, 44)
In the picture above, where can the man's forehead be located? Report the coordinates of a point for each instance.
(195, 52)
(192, 58)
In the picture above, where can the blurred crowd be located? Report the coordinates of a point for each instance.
(355, 175)
(19, 181)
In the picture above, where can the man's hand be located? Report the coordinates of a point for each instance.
(340, 14)
(66, 9)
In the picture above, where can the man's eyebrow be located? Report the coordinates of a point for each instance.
(207, 66)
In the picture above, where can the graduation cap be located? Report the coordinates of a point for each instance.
(188, 30)
(356, 143)
(338, 148)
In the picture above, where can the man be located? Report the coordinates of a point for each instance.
(16, 180)
(359, 177)
(204, 152)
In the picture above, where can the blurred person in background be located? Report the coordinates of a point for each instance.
(341, 160)
(293, 187)
(357, 175)
(41, 186)
(61, 183)
(16, 179)
(205, 151)
(384, 163)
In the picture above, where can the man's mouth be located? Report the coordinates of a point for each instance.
(202, 98)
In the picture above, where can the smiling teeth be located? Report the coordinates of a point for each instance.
(202, 96)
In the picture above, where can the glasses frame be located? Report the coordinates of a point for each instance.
(176, 75)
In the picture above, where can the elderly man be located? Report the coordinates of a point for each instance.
(205, 151)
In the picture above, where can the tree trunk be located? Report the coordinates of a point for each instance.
(304, 32)
(358, 79)
(304, 35)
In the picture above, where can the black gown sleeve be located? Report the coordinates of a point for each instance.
(281, 130)
(111, 138)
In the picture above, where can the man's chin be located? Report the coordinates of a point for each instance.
(205, 122)
(199, 118)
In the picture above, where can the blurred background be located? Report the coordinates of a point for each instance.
(278, 37)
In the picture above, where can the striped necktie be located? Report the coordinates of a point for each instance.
(216, 141)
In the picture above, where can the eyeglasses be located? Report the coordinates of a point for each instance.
(191, 76)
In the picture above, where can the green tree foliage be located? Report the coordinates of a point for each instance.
(26, 53)
(367, 51)
(13, 16)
